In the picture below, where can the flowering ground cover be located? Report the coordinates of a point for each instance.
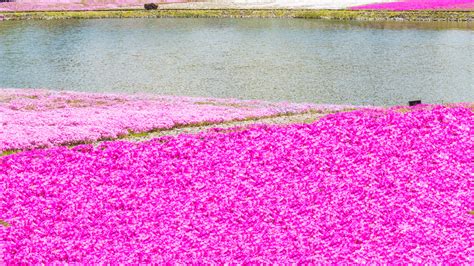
(386, 186)
(420, 5)
(40, 118)
(64, 5)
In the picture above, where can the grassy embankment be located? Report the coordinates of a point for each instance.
(248, 13)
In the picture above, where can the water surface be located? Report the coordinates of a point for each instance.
(273, 59)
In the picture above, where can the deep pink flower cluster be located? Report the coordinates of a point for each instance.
(420, 5)
(41, 118)
(358, 187)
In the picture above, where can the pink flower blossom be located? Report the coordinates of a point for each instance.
(34, 5)
(369, 186)
(420, 4)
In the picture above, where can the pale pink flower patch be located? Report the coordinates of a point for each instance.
(80, 5)
(40, 118)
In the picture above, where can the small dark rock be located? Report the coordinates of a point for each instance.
(151, 6)
(413, 103)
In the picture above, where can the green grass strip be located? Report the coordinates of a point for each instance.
(423, 15)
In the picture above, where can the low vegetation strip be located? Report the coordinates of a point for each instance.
(285, 119)
(421, 15)
(368, 186)
(40, 118)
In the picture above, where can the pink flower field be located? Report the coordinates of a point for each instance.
(420, 5)
(41, 118)
(368, 186)
(66, 5)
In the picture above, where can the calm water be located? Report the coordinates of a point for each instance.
(272, 59)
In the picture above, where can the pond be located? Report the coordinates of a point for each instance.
(368, 63)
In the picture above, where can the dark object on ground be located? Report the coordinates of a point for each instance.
(413, 103)
(151, 6)
(6, 1)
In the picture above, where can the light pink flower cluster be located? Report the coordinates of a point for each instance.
(420, 5)
(38, 118)
(32, 5)
(367, 186)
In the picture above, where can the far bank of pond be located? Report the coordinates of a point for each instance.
(422, 15)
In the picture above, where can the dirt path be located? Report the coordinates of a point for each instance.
(278, 120)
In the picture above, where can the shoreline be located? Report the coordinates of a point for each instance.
(359, 15)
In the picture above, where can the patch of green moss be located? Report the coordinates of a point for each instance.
(5, 153)
(309, 120)
(4, 223)
(135, 134)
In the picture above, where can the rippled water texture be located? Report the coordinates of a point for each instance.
(270, 59)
